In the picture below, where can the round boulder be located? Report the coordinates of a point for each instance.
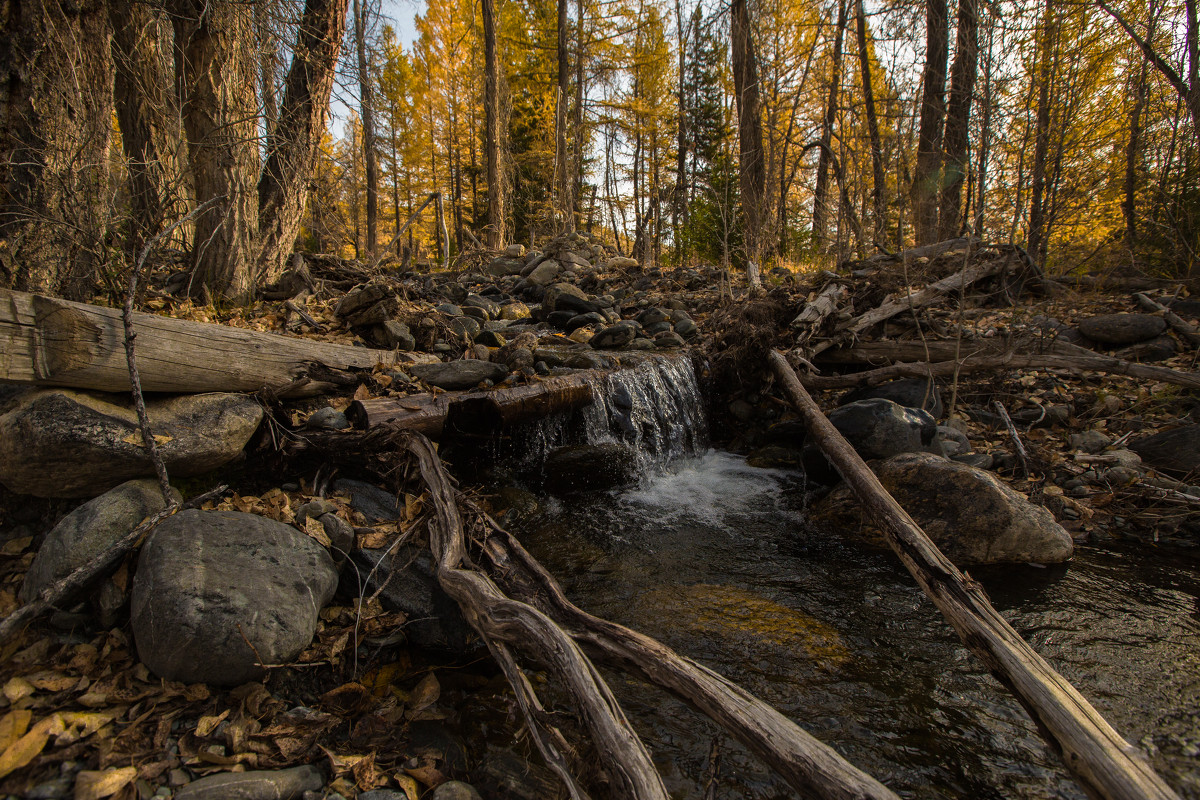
(614, 336)
(919, 393)
(880, 428)
(1120, 329)
(972, 516)
(218, 591)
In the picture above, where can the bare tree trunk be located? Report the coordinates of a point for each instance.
(1036, 244)
(565, 179)
(958, 118)
(679, 205)
(148, 118)
(491, 103)
(879, 181)
(283, 186)
(985, 139)
(220, 116)
(751, 169)
(56, 77)
(933, 110)
(821, 193)
(367, 108)
(268, 65)
(580, 143)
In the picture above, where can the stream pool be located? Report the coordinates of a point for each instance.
(714, 558)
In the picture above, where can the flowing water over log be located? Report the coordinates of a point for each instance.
(714, 558)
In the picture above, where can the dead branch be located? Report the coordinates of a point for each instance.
(1177, 323)
(1102, 761)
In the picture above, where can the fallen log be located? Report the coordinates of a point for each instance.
(45, 341)
(1066, 359)
(815, 312)
(504, 622)
(1177, 323)
(1105, 765)
(906, 350)
(475, 410)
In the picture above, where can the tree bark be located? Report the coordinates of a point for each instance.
(958, 118)
(1133, 153)
(879, 181)
(220, 115)
(1046, 69)
(283, 186)
(56, 77)
(821, 192)
(367, 114)
(751, 164)
(561, 171)
(491, 103)
(927, 175)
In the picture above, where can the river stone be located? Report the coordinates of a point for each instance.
(954, 442)
(454, 790)
(1121, 329)
(515, 251)
(64, 443)
(972, 516)
(1159, 348)
(514, 310)
(880, 428)
(590, 467)
(466, 373)
(395, 333)
(1175, 452)
(505, 266)
(545, 273)
(566, 297)
(284, 784)
(89, 530)
(208, 582)
(686, 328)
(922, 393)
(614, 336)
(622, 262)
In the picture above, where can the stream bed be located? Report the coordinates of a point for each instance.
(714, 558)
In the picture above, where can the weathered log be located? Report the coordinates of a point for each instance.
(810, 766)
(501, 620)
(907, 350)
(1177, 323)
(476, 410)
(1069, 357)
(49, 342)
(1105, 765)
(1128, 283)
(815, 312)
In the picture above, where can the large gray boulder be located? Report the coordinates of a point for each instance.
(879, 428)
(919, 393)
(90, 530)
(64, 443)
(1118, 329)
(972, 516)
(567, 297)
(464, 373)
(216, 591)
(545, 273)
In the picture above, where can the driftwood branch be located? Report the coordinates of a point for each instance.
(1177, 323)
(1102, 761)
(498, 618)
(824, 305)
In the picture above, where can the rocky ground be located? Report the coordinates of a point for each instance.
(287, 639)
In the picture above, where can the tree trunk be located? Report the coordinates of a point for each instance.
(821, 193)
(56, 78)
(958, 118)
(985, 138)
(578, 165)
(751, 168)
(283, 187)
(679, 205)
(1132, 156)
(268, 66)
(927, 175)
(565, 179)
(148, 118)
(491, 103)
(1036, 244)
(367, 109)
(879, 181)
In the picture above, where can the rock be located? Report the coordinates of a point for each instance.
(921, 393)
(614, 336)
(490, 339)
(449, 309)
(656, 328)
(514, 357)
(89, 530)
(327, 419)
(972, 516)
(63, 443)
(565, 297)
(465, 328)
(580, 320)
(1121, 476)
(954, 442)
(645, 345)
(372, 502)
(621, 262)
(340, 533)
(490, 308)
(382, 794)
(1175, 452)
(976, 460)
(1092, 441)
(361, 298)
(1059, 331)
(1119, 329)
(396, 334)
(545, 273)
(515, 251)
(505, 266)
(514, 311)
(1188, 309)
(208, 582)
(567, 257)
(669, 339)
(1158, 349)
(284, 784)
(408, 578)
(454, 790)
(743, 410)
(775, 457)
(686, 328)
(651, 316)
(466, 373)
(879, 428)
(589, 467)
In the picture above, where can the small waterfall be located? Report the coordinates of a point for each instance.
(655, 407)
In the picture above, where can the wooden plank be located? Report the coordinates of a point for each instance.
(50, 342)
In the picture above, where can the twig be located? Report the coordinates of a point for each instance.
(1022, 456)
(297, 309)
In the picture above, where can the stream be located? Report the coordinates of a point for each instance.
(714, 558)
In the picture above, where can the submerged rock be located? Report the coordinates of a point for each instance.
(972, 516)
(216, 591)
(64, 443)
(590, 467)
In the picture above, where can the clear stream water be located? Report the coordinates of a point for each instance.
(714, 558)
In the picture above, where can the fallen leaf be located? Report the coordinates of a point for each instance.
(94, 785)
(52, 681)
(27, 748)
(13, 727)
(426, 693)
(428, 775)
(14, 547)
(317, 531)
(409, 786)
(208, 724)
(368, 776)
(16, 688)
